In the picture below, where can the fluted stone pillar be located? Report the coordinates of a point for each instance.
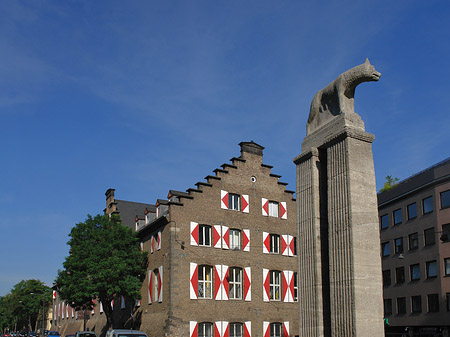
(340, 283)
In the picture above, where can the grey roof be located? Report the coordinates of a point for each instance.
(129, 209)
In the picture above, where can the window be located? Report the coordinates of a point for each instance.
(273, 209)
(275, 243)
(275, 330)
(235, 239)
(400, 275)
(445, 199)
(204, 282)
(233, 201)
(401, 305)
(384, 221)
(397, 216)
(204, 235)
(431, 269)
(427, 205)
(445, 235)
(429, 236)
(412, 211)
(447, 298)
(413, 241)
(398, 245)
(275, 285)
(235, 283)
(235, 330)
(155, 285)
(205, 330)
(385, 251)
(295, 287)
(433, 303)
(447, 266)
(414, 272)
(295, 246)
(387, 307)
(416, 304)
(386, 277)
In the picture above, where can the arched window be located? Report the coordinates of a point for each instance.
(235, 330)
(205, 329)
(275, 330)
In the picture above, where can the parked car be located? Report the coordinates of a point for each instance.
(53, 333)
(125, 333)
(86, 334)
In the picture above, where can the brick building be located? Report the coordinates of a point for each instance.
(222, 257)
(415, 248)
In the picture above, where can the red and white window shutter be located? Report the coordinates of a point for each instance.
(284, 245)
(247, 284)
(221, 329)
(150, 288)
(221, 282)
(152, 243)
(193, 329)
(266, 243)
(225, 237)
(54, 294)
(158, 242)
(194, 233)
(265, 206)
(217, 236)
(246, 240)
(283, 210)
(245, 203)
(193, 280)
(286, 329)
(288, 286)
(266, 285)
(291, 243)
(224, 199)
(160, 284)
(248, 329)
(266, 329)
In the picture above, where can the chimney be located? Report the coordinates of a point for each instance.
(110, 202)
(251, 149)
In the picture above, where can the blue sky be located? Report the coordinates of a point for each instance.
(147, 96)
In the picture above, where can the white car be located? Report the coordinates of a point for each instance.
(125, 333)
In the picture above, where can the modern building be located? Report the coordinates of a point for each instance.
(222, 257)
(415, 249)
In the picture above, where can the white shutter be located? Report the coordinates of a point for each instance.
(160, 284)
(152, 240)
(150, 289)
(193, 329)
(194, 233)
(193, 281)
(217, 236)
(218, 282)
(265, 206)
(225, 238)
(284, 245)
(245, 204)
(266, 329)
(224, 284)
(246, 240)
(224, 199)
(247, 284)
(159, 241)
(266, 285)
(291, 245)
(248, 329)
(286, 329)
(266, 243)
(283, 210)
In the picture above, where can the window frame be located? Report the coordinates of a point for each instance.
(235, 285)
(412, 268)
(279, 330)
(387, 303)
(202, 327)
(295, 287)
(427, 238)
(430, 265)
(234, 202)
(413, 237)
(447, 266)
(386, 274)
(398, 245)
(383, 249)
(399, 271)
(433, 302)
(274, 208)
(204, 283)
(232, 329)
(447, 197)
(274, 247)
(202, 229)
(394, 217)
(424, 201)
(416, 300)
(408, 212)
(235, 235)
(275, 285)
(401, 304)
(384, 221)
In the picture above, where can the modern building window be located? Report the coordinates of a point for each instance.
(447, 300)
(412, 211)
(414, 270)
(295, 246)
(416, 304)
(430, 238)
(275, 330)
(205, 330)
(387, 306)
(384, 221)
(413, 241)
(427, 205)
(385, 249)
(398, 245)
(295, 287)
(447, 266)
(386, 277)
(204, 235)
(275, 285)
(273, 209)
(445, 199)
(235, 283)
(233, 201)
(400, 275)
(431, 269)
(275, 243)
(397, 216)
(433, 303)
(401, 305)
(204, 282)
(235, 239)
(235, 330)
(445, 235)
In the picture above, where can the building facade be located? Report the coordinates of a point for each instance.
(222, 257)
(415, 249)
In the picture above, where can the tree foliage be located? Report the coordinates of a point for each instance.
(22, 307)
(389, 183)
(104, 262)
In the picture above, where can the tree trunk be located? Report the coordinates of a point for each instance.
(108, 312)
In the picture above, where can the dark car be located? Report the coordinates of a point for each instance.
(53, 333)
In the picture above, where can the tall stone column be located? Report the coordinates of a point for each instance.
(340, 286)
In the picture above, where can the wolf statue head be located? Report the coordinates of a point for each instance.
(338, 97)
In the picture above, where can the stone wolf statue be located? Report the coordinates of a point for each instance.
(338, 96)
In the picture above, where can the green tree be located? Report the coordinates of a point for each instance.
(389, 183)
(104, 262)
